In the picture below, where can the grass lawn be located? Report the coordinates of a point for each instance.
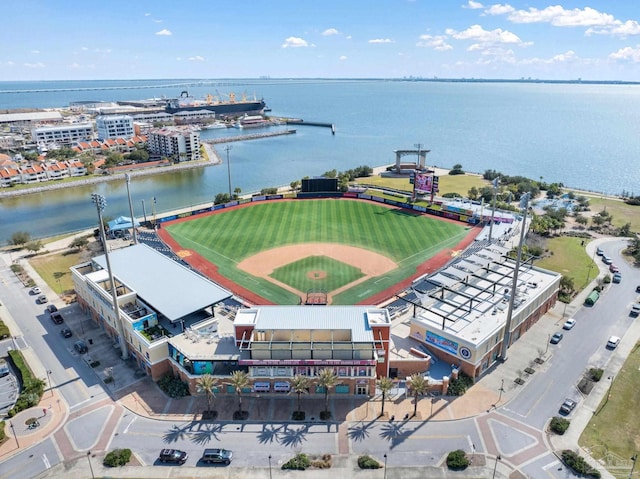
(448, 183)
(54, 269)
(569, 259)
(616, 426)
(229, 237)
(622, 212)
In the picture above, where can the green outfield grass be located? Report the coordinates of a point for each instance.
(229, 237)
(306, 274)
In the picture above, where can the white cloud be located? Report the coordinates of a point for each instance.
(196, 58)
(626, 54)
(499, 9)
(437, 42)
(330, 31)
(623, 30)
(381, 40)
(164, 32)
(556, 15)
(473, 5)
(567, 57)
(75, 66)
(84, 49)
(348, 37)
(485, 37)
(343, 58)
(34, 65)
(147, 14)
(295, 42)
(103, 50)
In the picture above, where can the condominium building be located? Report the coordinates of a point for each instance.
(174, 143)
(62, 135)
(114, 126)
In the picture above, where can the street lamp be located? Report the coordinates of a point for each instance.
(524, 204)
(14, 433)
(269, 466)
(49, 381)
(100, 203)
(90, 466)
(634, 458)
(385, 465)
(418, 146)
(494, 183)
(127, 178)
(228, 149)
(498, 458)
(501, 389)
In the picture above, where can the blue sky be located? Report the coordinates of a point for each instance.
(115, 39)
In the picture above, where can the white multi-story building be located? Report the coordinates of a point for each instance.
(114, 126)
(64, 135)
(176, 144)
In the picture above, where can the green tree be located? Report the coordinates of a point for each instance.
(239, 381)
(221, 198)
(419, 385)
(79, 243)
(299, 386)
(385, 385)
(207, 384)
(20, 238)
(236, 192)
(34, 246)
(326, 380)
(294, 185)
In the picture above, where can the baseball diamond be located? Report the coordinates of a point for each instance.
(275, 251)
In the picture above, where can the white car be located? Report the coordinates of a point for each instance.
(569, 323)
(613, 342)
(35, 290)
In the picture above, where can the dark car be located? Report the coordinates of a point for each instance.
(173, 455)
(638, 289)
(66, 332)
(57, 318)
(567, 406)
(52, 308)
(80, 346)
(556, 338)
(217, 456)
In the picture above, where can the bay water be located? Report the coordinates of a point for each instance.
(584, 136)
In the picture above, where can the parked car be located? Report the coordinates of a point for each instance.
(569, 323)
(42, 299)
(52, 308)
(567, 406)
(613, 268)
(599, 251)
(66, 332)
(173, 455)
(217, 456)
(556, 338)
(35, 290)
(80, 346)
(606, 259)
(613, 342)
(617, 278)
(57, 318)
(635, 311)
(638, 289)
(4, 368)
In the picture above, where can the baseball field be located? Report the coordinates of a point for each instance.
(280, 250)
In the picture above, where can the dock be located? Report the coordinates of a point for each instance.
(252, 136)
(300, 121)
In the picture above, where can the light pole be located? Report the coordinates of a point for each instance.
(524, 204)
(15, 436)
(498, 458)
(269, 466)
(418, 146)
(228, 149)
(634, 458)
(494, 183)
(100, 203)
(127, 178)
(90, 466)
(385, 465)
(501, 389)
(49, 381)
(144, 212)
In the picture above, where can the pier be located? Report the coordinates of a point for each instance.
(253, 136)
(300, 121)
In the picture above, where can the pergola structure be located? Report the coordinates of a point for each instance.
(419, 165)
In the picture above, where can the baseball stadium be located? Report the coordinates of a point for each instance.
(340, 251)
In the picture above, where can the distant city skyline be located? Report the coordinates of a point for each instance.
(43, 40)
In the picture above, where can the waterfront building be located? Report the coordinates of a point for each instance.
(174, 143)
(28, 119)
(116, 126)
(63, 134)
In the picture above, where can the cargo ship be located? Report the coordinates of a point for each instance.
(231, 107)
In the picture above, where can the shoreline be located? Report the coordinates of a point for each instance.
(214, 159)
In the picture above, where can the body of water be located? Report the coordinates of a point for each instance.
(585, 136)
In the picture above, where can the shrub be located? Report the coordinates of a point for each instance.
(452, 194)
(4, 331)
(578, 464)
(32, 387)
(459, 386)
(324, 462)
(2, 434)
(325, 415)
(595, 374)
(367, 462)
(457, 460)
(298, 415)
(173, 387)
(299, 462)
(117, 457)
(559, 425)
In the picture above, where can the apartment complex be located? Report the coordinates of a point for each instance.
(175, 143)
(114, 126)
(63, 134)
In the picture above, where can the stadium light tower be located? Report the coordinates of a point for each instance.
(228, 149)
(524, 204)
(100, 203)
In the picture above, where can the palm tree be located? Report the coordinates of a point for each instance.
(326, 380)
(299, 386)
(207, 384)
(239, 381)
(385, 385)
(420, 385)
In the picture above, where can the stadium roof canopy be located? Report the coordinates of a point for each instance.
(170, 288)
